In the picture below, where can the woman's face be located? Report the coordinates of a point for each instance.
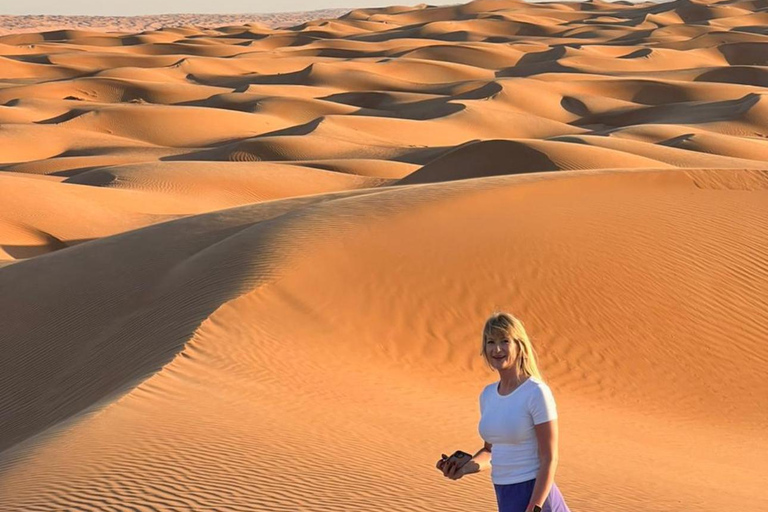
(501, 350)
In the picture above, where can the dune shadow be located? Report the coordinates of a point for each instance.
(70, 173)
(31, 59)
(674, 142)
(745, 54)
(752, 29)
(218, 101)
(574, 106)
(363, 99)
(296, 130)
(66, 116)
(56, 35)
(247, 34)
(384, 104)
(484, 92)
(51, 244)
(93, 177)
(537, 63)
(744, 75)
(476, 159)
(241, 83)
(635, 37)
(426, 110)
(131, 41)
(677, 113)
(538, 68)
(343, 53)
(642, 52)
(570, 139)
(632, 21)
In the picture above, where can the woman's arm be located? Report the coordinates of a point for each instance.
(546, 434)
(480, 461)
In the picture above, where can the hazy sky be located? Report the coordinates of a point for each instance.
(135, 7)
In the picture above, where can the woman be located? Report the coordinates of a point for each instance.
(518, 422)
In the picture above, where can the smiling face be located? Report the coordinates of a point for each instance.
(500, 350)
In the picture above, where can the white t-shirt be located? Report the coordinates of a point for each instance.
(506, 421)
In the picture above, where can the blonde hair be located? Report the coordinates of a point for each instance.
(513, 328)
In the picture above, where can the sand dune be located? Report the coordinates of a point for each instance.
(245, 268)
(163, 23)
(494, 157)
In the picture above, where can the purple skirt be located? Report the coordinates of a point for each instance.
(515, 497)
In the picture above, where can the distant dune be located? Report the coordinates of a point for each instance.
(246, 268)
(36, 23)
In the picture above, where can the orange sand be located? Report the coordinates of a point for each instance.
(246, 269)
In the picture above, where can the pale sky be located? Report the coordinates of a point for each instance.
(137, 7)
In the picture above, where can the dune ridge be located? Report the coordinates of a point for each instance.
(245, 267)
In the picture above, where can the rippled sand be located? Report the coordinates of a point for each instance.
(246, 268)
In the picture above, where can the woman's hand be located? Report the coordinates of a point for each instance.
(466, 468)
(441, 463)
(455, 468)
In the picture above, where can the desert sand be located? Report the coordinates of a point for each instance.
(246, 268)
(42, 23)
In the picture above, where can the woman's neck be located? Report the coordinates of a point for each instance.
(512, 377)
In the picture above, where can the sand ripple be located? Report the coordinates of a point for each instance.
(243, 268)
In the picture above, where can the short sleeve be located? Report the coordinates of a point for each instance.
(542, 405)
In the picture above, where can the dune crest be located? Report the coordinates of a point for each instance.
(245, 267)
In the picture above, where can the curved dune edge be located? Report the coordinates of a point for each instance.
(286, 369)
(499, 157)
(172, 259)
(244, 268)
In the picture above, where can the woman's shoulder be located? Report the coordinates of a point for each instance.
(540, 390)
(489, 387)
(540, 385)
